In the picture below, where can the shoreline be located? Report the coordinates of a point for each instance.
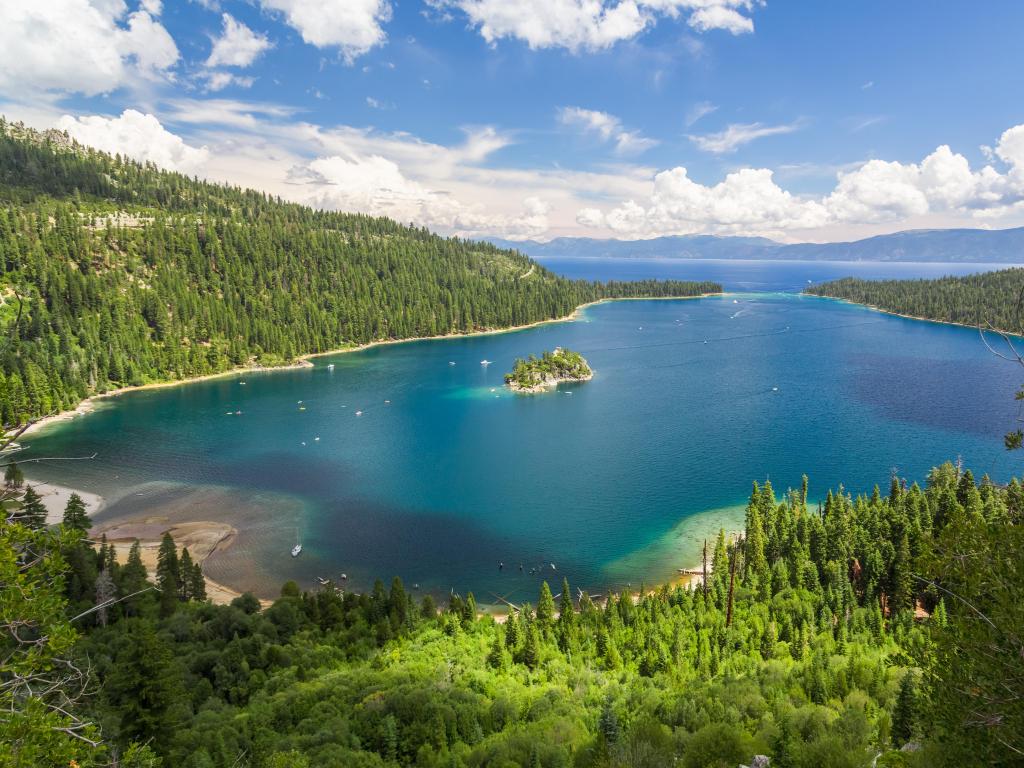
(89, 404)
(203, 538)
(55, 497)
(893, 313)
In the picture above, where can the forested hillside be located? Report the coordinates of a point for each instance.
(116, 273)
(991, 299)
(878, 630)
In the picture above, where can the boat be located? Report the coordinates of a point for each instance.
(451, 362)
(297, 549)
(359, 413)
(316, 439)
(485, 362)
(330, 366)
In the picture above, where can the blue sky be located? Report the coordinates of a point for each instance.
(540, 118)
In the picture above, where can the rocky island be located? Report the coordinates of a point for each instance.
(538, 374)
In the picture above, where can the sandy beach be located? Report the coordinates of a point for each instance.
(55, 498)
(202, 538)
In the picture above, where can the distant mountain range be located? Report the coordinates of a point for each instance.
(1004, 246)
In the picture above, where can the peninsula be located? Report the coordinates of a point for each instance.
(552, 368)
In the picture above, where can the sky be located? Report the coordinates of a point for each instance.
(789, 119)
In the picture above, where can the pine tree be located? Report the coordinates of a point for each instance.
(185, 567)
(496, 656)
(143, 688)
(167, 575)
(531, 649)
(608, 724)
(197, 583)
(133, 575)
(75, 517)
(545, 607)
(13, 477)
(902, 579)
(904, 716)
(513, 632)
(33, 511)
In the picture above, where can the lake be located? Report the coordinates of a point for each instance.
(453, 483)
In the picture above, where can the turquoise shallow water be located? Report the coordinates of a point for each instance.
(445, 474)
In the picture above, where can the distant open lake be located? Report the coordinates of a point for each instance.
(444, 475)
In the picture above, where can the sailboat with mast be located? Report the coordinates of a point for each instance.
(297, 549)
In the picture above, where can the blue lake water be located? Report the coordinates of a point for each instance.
(444, 475)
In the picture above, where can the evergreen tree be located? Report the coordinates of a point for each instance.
(531, 649)
(904, 718)
(33, 511)
(185, 568)
(144, 688)
(13, 477)
(167, 575)
(545, 607)
(75, 517)
(197, 583)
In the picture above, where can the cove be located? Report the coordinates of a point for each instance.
(445, 474)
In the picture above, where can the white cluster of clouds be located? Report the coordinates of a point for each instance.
(352, 26)
(594, 24)
(749, 201)
(138, 136)
(81, 46)
(237, 46)
(376, 185)
(460, 189)
(606, 127)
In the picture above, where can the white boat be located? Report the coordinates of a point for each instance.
(296, 550)
(451, 362)
(485, 362)
(330, 366)
(359, 413)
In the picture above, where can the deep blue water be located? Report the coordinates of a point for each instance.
(755, 275)
(445, 474)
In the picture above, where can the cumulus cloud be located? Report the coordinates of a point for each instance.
(749, 201)
(607, 127)
(237, 46)
(736, 135)
(376, 185)
(352, 26)
(138, 136)
(593, 24)
(74, 46)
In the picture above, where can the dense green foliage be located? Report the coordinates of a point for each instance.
(805, 647)
(988, 300)
(556, 365)
(115, 273)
